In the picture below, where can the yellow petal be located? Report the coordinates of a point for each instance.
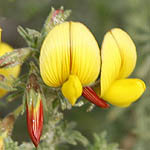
(14, 71)
(69, 48)
(72, 89)
(4, 48)
(111, 62)
(85, 54)
(55, 56)
(123, 92)
(127, 52)
(7, 72)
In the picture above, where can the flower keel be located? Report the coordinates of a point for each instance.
(90, 95)
(72, 89)
(123, 92)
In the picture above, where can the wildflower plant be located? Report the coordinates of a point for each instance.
(65, 68)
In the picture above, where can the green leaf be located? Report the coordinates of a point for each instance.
(14, 95)
(31, 36)
(100, 143)
(10, 144)
(15, 57)
(13, 145)
(72, 137)
(24, 103)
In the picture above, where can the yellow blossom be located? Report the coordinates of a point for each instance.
(118, 55)
(70, 58)
(7, 72)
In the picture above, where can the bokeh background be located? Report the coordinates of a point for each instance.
(130, 127)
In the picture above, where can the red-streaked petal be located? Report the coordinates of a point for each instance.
(90, 95)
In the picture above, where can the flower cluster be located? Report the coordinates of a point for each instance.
(70, 58)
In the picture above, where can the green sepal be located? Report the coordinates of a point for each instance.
(32, 98)
(43, 98)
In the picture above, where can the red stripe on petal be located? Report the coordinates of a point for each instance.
(91, 95)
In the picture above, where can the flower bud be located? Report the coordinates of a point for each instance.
(55, 17)
(34, 110)
(56, 13)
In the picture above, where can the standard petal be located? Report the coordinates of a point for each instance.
(85, 53)
(111, 62)
(127, 51)
(55, 56)
(123, 92)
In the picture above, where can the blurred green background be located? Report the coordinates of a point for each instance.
(130, 127)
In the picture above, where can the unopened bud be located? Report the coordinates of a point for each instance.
(34, 110)
(55, 15)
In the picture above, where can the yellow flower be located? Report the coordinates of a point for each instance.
(70, 58)
(7, 72)
(118, 54)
